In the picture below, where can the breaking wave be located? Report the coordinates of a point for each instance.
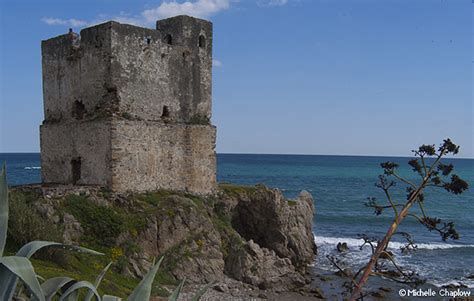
(356, 243)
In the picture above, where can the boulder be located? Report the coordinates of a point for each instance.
(276, 223)
(262, 268)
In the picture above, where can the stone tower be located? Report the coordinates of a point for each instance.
(129, 108)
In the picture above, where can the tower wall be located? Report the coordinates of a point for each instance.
(84, 147)
(129, 107)
(76, 73)
(151, 74)
(149, 156)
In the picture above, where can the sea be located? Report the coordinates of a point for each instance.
(340, 186)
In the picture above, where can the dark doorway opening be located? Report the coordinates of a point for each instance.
(169, 39)
(78, 110)
(202, 41)
(76, 170)
(166, 112)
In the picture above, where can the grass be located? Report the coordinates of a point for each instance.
(236, 190)
(26, 224)
(103, 224)
(87, 268)
(200, 119)
(292, 202)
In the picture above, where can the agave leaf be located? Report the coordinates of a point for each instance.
(78, 285)
(97, 282)
(202, 291)
(74, 296)
(40, 278)
(110, 298)
(32, 247)
(175, 295)
(51, 286)
(143, 290)
(3, 209)
(20, 267)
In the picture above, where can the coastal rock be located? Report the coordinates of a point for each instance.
(262, 268)
(342, 247)
(187, 234)
(276, 223)
(72, 229)
(249, 233)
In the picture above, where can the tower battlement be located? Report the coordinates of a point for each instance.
(129, 107)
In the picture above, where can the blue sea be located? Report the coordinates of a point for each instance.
(340, 185)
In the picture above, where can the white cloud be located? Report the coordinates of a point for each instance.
(121, 18)
(271, 2)
(216, 63)
(198, 8)
(69, 22)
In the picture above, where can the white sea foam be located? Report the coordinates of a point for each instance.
(33, 167)
(467, 282)
(358, 258)
(356, 242)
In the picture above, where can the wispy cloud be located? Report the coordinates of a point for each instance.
(216, 63)
(271, 2)
(198, 8)
(69, 22)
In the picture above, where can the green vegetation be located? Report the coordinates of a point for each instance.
(126, 115)
(101, 221)
(27, 225)
(103, 224)
(200, 119)
(229, 237)
(432, 174)
(292, 203)
(236, 190)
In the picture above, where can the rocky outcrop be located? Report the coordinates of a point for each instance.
(186, 230)
(273, 222)
(262, 268)
(252, 234)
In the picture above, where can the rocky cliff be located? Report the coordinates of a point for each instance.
(251, 234)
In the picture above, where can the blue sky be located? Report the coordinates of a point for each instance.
(296, 76)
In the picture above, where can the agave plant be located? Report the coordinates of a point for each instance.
(19, 267)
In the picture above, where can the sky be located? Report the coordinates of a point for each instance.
(337, 77)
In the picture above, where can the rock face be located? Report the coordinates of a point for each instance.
(261, 267)
(251, 234)
(279, 241)
(186, 230)
(276, 223)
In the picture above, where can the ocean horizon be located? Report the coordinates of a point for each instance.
(340, 184)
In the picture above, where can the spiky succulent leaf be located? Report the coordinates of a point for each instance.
(32, 247)
(97, 282)
(143, 290)
(77, 286)
(51, 286)
(175, 295)
(110, 298)
(20, 267)
(3, 209)
(201, 292)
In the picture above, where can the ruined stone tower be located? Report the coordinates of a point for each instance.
(129, 108)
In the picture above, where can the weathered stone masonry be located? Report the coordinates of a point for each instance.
(129, 107)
